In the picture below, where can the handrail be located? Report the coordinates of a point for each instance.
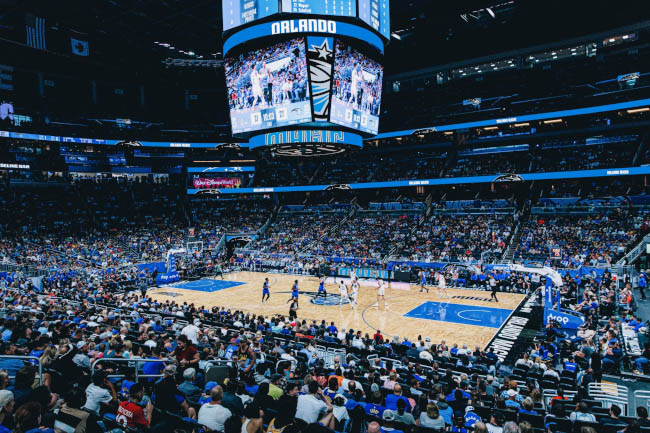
(127, 361)
(30, 358)
(635, 252)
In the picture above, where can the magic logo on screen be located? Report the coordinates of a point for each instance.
(303, 26)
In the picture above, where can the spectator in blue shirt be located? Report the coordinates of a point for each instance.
(391, 399)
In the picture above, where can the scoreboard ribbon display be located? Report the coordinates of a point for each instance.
(303, 26)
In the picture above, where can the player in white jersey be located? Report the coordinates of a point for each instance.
(343, 293)
(355, 86)
(355, 292)
(381, 291)
(256, 83)
(442, 285)
(353, 276)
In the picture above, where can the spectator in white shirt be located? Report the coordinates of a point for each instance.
(213, 415)
(100, 391)
(311, 406)
(192, 332)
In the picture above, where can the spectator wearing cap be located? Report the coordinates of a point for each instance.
(275, 392)
(101, 390)
(205, 397)
(389, 419)
(81, 356)
(512, 402)
(213, 415)
(188, 388)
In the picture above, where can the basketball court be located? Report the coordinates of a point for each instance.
(466, 317)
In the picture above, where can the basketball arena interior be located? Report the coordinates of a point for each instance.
(312, 216)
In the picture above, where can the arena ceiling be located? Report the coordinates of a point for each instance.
(426, 32)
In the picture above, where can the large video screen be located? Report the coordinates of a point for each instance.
(343, 8)
(376, 13)
(356, 92)
(239, 12)
(269, 87)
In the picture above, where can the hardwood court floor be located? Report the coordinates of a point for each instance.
(466, 318)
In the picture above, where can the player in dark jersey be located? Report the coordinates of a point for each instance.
(294, 293)
(321, 288)
(265, 291)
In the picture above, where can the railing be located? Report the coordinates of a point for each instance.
(327, 354)
(129, 363)
(475, 211)
(579, 210)
(24, 269)
(27, 358)
(642, 398)
(609, 394)
(635, 252)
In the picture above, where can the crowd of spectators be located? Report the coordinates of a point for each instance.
(569, 241)
(275, 375)
(460, 237)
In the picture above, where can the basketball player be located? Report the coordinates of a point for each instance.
(265, 290)
(343, 293)
(442, 284)
(356, 86)
(381, 292)
(294, 293)
(353, 276)
(257, 75)
(321, 288)
(355, 293)
(493, 287)
(423, 281)
(218, 271)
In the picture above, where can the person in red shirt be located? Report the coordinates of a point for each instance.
(130, 414)
(186, 354)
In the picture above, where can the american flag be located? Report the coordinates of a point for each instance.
(35, 27)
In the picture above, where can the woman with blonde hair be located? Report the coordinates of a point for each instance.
(4, 379)
(431, 418)
(49, 355)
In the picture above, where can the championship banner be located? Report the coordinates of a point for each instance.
(216, 182)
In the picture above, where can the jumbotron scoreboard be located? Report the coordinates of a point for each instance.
(298, 69)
